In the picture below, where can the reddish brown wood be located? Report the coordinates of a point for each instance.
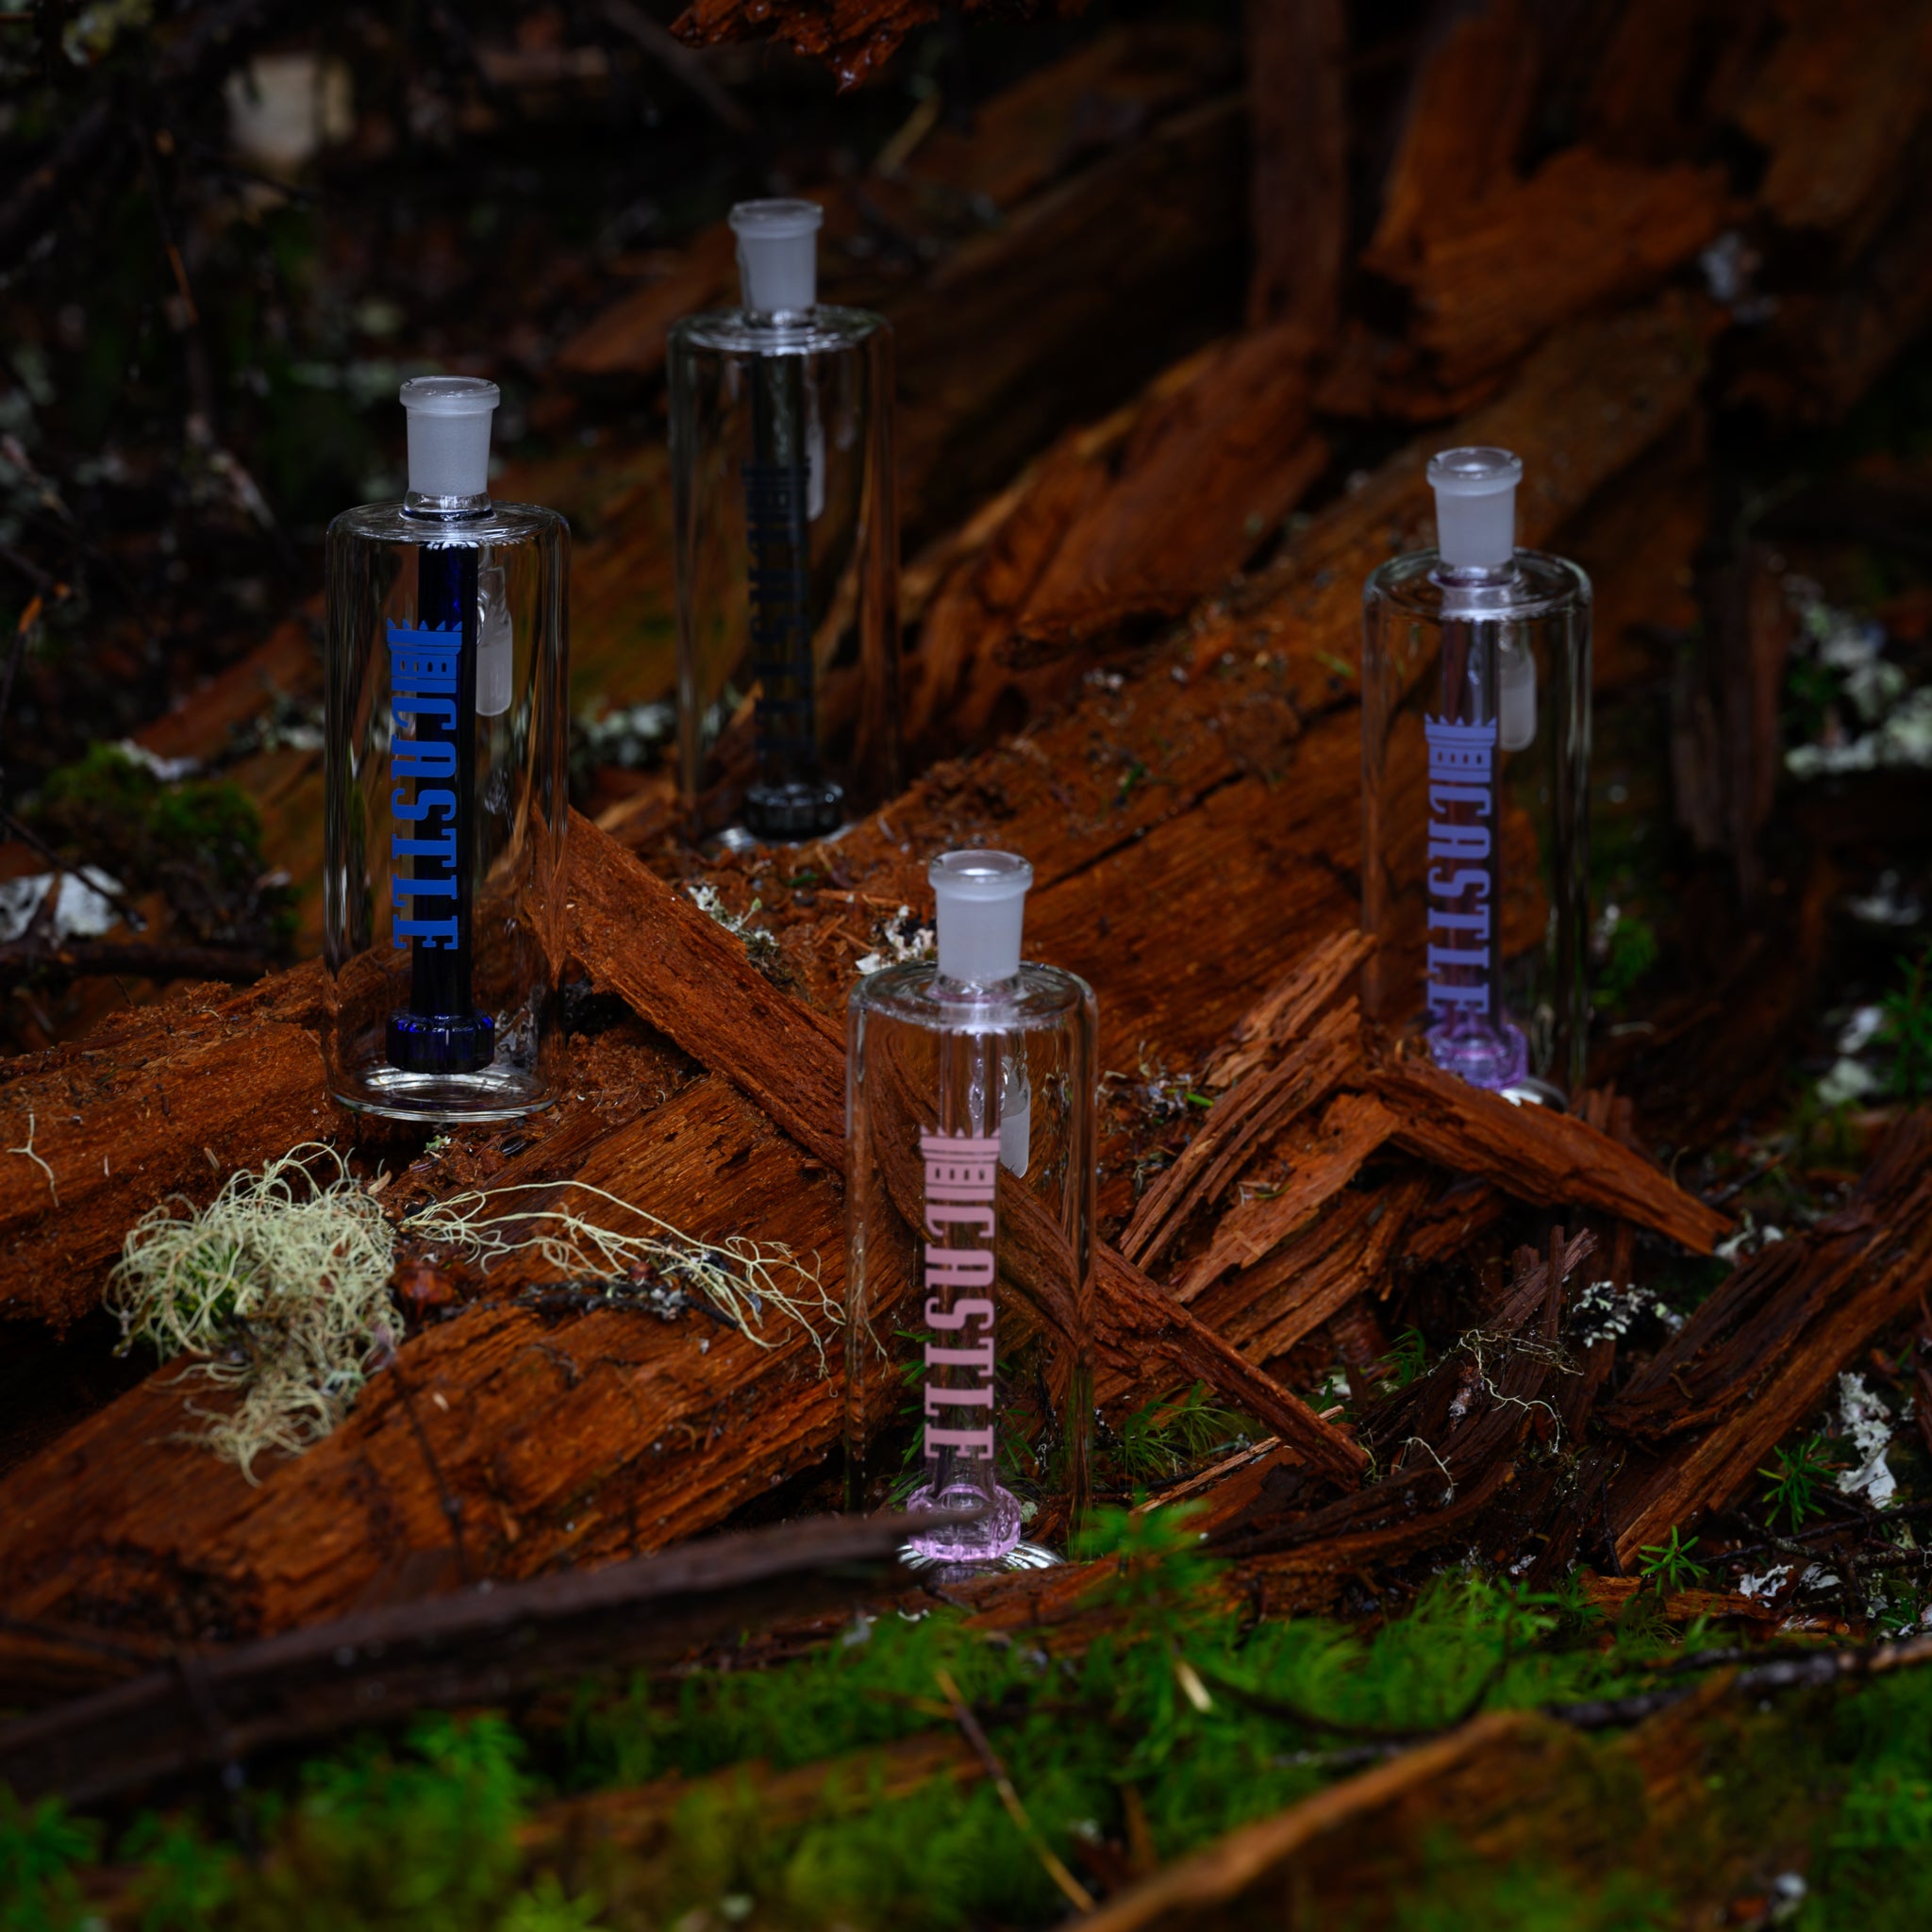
(1233, 1127)
(1491, 276)
(1757, 1356)
(689, 978)
(148, 1107)
(1329, 1157)
(1555, 1159)
(852, 36)
(1298, 120)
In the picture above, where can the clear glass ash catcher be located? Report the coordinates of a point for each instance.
(787, 546)
(1476, 791)
(445, 782)
(969, 1212)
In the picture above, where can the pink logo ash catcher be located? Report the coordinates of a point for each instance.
(971, 1077)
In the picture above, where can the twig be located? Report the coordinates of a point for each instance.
(476, 1645)
(681, 63)
(1081, 1899)
(79, 959)
(28, 837)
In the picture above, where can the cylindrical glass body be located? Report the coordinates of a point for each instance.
(1475, 795)
(447, 799)
(788, 563)
(970, 1211)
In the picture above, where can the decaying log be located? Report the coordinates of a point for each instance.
(1266, 1308)
(1298, 126)
(1491, 277)
(1288, 1008)
(1726, 749)
(1450, 1442)
(213, 1706)
(1555, 1159)
(1012, 333)
(1473, 92)
(1233, 1127)
(1330, 1155)
(1757, 1357)
(1136, 518)
(852, 36)
(97, 1132)
(1824, 348)
(1843, 90)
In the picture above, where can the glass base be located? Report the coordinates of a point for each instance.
(943, 1570)
(1486, 1053)
(498, 1092)
(1530, 1091)
(988, 1539)
(795, 810)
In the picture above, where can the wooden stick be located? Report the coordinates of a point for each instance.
(475, 1645)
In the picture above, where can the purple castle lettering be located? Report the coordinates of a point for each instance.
(1462, 865)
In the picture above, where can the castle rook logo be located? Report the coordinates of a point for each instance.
(961, 1177)
(1462, 865)
(424, 663)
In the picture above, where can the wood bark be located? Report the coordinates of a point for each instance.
(1297, 115)
(97, 1132)
(1757, 1357)
(1555, 1159)
(852, 36)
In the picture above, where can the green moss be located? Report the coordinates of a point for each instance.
(198, 841)
(424, 1830)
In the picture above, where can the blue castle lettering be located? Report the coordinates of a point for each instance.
(423, 662)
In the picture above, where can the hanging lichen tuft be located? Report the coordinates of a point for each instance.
(281, 1286)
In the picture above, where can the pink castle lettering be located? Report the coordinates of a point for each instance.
(961, 1173)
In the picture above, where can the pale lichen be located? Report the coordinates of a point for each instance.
(279, 1285)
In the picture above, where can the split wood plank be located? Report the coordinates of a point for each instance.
(1234, 1126)
(1759, 1354)
(1352, 1127)
(94, 1134)
(682, 971)
(1553, 1159)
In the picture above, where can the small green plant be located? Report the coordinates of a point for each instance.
(1176, 1431)
(1907, 1029)
(40, 1849)
(183, 1880)
(1670, 1565)
(1632, 951)
(1407, 1359)
(1795, 1479)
